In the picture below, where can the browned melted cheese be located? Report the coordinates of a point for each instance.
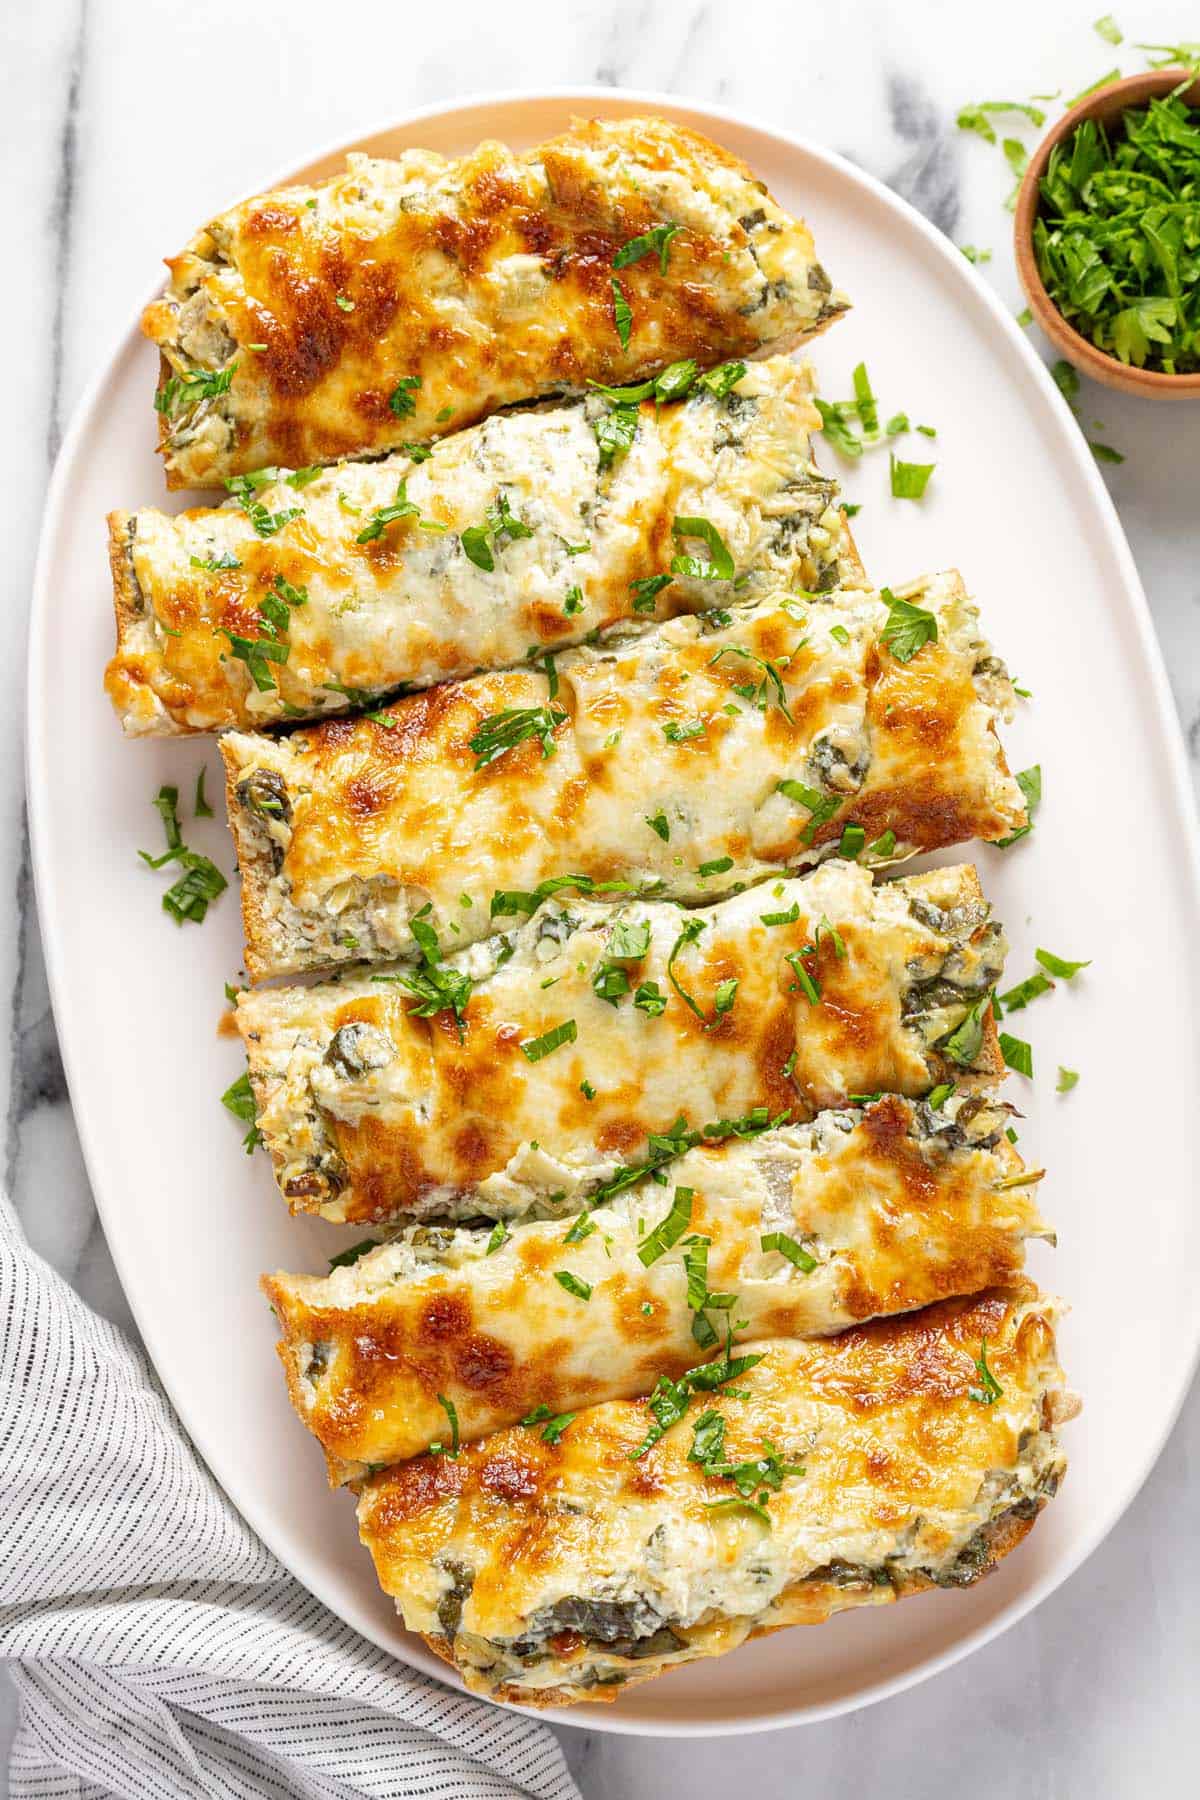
(385, 818)
(486, 281)
(381, 598)
(890, 1210)
(910, 1479)
(369, 1110)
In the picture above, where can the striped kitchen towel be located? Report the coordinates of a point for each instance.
(159, 1649)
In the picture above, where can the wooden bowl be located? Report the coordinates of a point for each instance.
(1105, 105)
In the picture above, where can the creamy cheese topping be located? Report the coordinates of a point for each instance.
(797, 1230)
(554, 1570)
(687, 760)
(509, 539)
(400, 296)
(597, 1027)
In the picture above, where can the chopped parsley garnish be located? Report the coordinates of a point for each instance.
(660, 825)
(553, 1427)
(1067, 1079)
(345, 1259)
(258, 654)
(509, 902)
(451, 1412)
(1017, 1054)
(587, 1090)
(435, 986)
(622, 313)
(719, 382)
(724, 996)
(964, 1043)
(1036, 984)
(1030, 783)
(615, 432)
(680, 731)
(908, 627)
(610, 982)
(238, 1099)
(835, 424)
(646, 590)
(782, 918)
(401, 508)
(821, 806)
(909, 480)
(515, 725)
(669, 1229)
(500, 1234)
(417, 453)
(975, 118)
(787, 1247)
(245, 489)
(762, 1475)
(534, 1049)
(692, 929)
(573, 603)
(401, 400)
(650, 999)
(1025, 991)
(201, 883)
(655, 241)
(214, 564)
(480, 542)
(675, 380)
(804, 983)
(1058, 965)
(720, 865)
(629, 940)
(719, 567)
(671, 1399)
(989, 1390)
(182, 391)
(582, 1290)
(771, 686)
(1115, 237)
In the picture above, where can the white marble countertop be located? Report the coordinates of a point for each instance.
(123, 123)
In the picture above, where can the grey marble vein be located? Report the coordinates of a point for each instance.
(928, 176)
(62, 222)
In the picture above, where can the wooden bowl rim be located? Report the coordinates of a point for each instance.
(1106, 103)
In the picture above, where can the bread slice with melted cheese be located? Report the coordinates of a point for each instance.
(365, 312)
(833, 1473)
(327, 589)
(591, 1029)
(796, 1231)
(684, 760)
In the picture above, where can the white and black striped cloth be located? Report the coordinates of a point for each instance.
(160, 1651)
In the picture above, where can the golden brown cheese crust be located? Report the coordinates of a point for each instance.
(892, 1209)
(666, 769)
(486, 281)
(375, 597)
(560, 1571)
(370, 1111)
